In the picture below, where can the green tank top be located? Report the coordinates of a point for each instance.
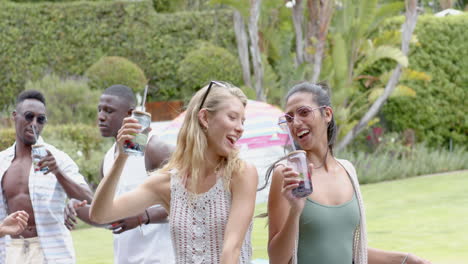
(326, 232)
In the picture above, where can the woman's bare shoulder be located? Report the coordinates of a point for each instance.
(159, 181)
(247, 170)
(159, 176)
(247, 174)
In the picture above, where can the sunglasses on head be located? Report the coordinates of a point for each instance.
(29, 116)
(208, 91)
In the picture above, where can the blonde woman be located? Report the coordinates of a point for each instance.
(207, 190)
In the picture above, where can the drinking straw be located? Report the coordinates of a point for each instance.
(291, 138)
(34, 132)
(283, 124)
(144, 98)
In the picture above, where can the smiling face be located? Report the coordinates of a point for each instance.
(309, 121)
(111, 112)
(24, 127)
(225, 126)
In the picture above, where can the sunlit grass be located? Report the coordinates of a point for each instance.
(423, 215)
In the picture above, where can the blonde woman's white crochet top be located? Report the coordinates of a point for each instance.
(198, 223)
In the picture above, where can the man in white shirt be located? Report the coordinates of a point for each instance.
(144, 238)
(40, 193)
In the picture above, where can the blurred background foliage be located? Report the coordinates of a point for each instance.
(112, 70)
(72, 50)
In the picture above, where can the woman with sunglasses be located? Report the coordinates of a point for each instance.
(207, 190)
(329, 225)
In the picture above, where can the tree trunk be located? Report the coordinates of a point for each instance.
(313, 6)
(298, 19)
(324, 18)
(242, 47)
(407, 32)
(255, 49)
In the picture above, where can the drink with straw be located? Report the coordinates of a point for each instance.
(297, 160)
(38, 152)
(137, 145)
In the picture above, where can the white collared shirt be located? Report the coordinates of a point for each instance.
(146, 244)
(48, 200)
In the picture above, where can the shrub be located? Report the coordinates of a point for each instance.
(108, 71)
(383, 156)
(7, 137)
(54, 1)
(207, 63)
(168, 6)
(68, 100)
(67, 38)
(82, 143)
(391, 165)
(438, 113)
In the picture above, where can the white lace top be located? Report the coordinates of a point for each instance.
(198, 223)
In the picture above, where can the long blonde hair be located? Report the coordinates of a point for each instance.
(192, 140)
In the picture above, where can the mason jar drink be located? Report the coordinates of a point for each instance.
(298, 162)
(137, 145)
(38, 152)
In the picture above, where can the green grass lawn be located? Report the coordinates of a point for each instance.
(423, 215)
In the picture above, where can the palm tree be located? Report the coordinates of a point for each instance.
(368, 54)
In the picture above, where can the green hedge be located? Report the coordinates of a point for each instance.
(438, 112)
(67, 38)
(207, 63)
(116, 70)
(82, 143)
(53, 1)
(416, 161)
(69, 101)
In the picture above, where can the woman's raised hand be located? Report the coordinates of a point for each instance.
(130, 127)
(291, 181)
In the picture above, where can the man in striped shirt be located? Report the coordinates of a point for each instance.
(41, 193)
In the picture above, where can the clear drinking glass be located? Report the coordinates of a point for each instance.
(137, 145)
(298, 162)
(38, 152)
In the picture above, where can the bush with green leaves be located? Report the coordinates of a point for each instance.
(67, 38)
(112, 70)
(419, 160)
(168, 6)
(7, 137)
(208, 62)
(68, 100)
(438, 112)
(54, 1)
(83, 143)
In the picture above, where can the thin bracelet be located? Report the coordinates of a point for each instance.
(404, 260)
(147, 215)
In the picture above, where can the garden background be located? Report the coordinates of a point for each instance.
(72, 50)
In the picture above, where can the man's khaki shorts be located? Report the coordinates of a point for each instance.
(24, 250)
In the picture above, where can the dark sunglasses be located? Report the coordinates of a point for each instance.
(41, 119)
(208, 91)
